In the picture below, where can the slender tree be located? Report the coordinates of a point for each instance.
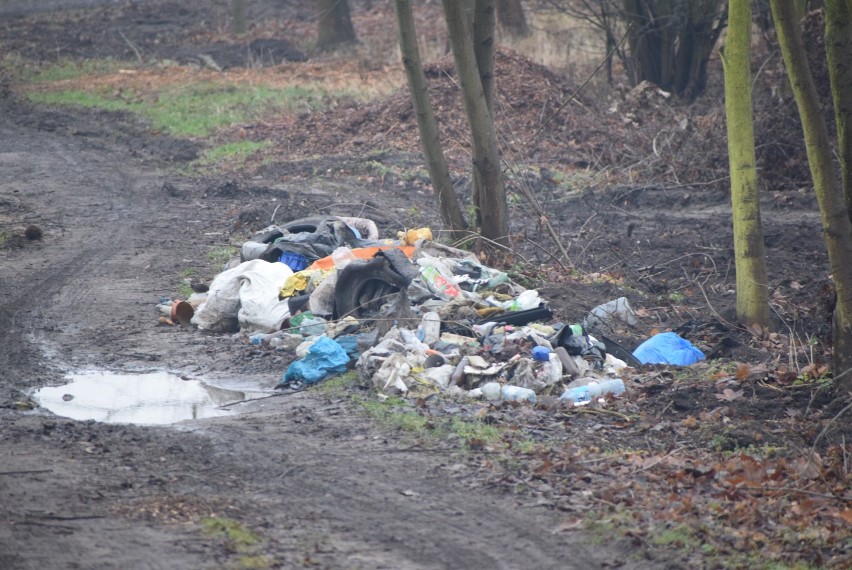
(671, 41)
(334, 24)
(430, 141)
(836, 225)
(238, 16)
(486, 159)
(749, 250)
(513, 20)
(484, 46)
(838, 50)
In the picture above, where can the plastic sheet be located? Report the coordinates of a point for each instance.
(325, 358)
(668, 348)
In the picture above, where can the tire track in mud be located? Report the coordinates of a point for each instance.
(89, 207)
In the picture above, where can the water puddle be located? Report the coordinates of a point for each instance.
(155, 398)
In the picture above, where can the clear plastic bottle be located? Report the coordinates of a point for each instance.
(342, 256)
(582, 395)
(517, 394)
(491, 390)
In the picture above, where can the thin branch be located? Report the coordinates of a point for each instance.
(132, 46)
(26, 471)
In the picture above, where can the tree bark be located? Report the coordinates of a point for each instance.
(837, 228)
(486, 159)
(749, 250)
(238, 16)
(334, 24)
(510, 14)
(430, 141)
(484, 46)
(838, 50)
(671, 41)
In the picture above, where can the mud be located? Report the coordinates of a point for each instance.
(315, 483)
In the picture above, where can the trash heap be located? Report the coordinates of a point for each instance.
(412, 316)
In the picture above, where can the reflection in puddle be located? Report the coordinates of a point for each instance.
(146, 399)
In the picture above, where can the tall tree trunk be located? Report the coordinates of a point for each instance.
(430, 141)
(836, 226)
(749, 250)
(838, 50)
(334, 24)
(484, 46)
(486, 159)
(671, 40)
(510, 14)
(238, 16)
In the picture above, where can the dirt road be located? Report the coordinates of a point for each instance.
(310, 483)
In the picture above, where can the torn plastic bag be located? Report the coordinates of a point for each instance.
(437, 275)
(324, 358)
(615, 310)
(245, 297)
(668, 348)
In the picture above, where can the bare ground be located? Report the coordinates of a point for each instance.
(317, 483)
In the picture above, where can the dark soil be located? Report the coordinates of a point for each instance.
(750, 447)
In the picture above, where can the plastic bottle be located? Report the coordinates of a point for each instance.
(342, 256)
(285, 340)
(491, 390)
(582, 395)
(517, 394)
(429, 330)
(260, 338)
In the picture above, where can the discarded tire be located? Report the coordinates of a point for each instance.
(364, 287)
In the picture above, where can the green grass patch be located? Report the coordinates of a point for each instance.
(185, 291)
(337, 385)
(223, 253)
(679, 536)
(4, 237)
(399, 414)
(76, 98)
(24, 71)
(232, 153)
(195, 110)
(238, 537)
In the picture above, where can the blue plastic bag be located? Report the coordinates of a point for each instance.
(668, 348)
(324, 358)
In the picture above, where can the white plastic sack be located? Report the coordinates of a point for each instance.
(245, 296)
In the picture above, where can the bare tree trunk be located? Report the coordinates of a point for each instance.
(749, 250)
(238, 16)
(430, 141)
(671, 40)
(486, 159)
(836, 226)
(334, 24)
(484, 46)
(510, 14)
(838, 50)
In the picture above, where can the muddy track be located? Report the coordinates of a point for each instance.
(314, 482)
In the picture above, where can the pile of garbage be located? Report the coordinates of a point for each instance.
(414, 317)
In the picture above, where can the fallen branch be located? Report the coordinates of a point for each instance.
(605, 412)
(224, 406)
(798, 491)
(25, 471)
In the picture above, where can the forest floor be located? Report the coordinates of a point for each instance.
(742, 460)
